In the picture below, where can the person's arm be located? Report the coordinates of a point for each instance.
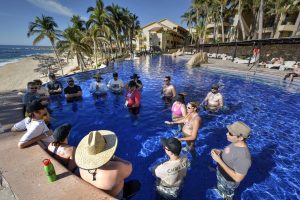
(237, 177)
(71, 163)
(179, 121)
(173, 92)
(139, 85)
(221, 101)
(196, 126)
(183, 110)
(22, 145)
(205, 99)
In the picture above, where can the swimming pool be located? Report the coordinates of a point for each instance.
(270, 109)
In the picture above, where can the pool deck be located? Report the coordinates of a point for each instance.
(21, 170)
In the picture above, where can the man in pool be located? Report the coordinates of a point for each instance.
(98, 88)
(72, 91)
(214, 99)
(99, 166)
(115, 85)
(137, 81)
(168, 90)
(54, 86)
(171, 173)
(234, 161)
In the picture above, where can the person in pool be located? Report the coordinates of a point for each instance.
(60, 148)
(234, 161)
(99, 166)
(98, 88)
(171, 173)
(115, 85)
(137, 81)
(214, 99)
(54, 86)
(192, 123)
(72, 91)
(133, 98)
(168, 90)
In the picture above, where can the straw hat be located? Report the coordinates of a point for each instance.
(96, 149)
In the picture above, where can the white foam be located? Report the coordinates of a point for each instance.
(10, 61)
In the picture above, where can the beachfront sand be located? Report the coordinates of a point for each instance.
(14, 76)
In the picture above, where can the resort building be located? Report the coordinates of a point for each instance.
(161, 35)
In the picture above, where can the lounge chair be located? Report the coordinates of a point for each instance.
(244, 61)
(287, 65)
(273, 66)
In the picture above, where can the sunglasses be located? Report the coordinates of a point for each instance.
(189, 107)
(34, 88)
(231, 134)
(166, 149)
(70, 81)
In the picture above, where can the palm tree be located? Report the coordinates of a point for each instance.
(73, 45)
(261, 17)
(134, 26)
(296, 4)
(78, 23)
(188, 18)
(45, 27)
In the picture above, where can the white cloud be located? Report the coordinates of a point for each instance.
(53, 6)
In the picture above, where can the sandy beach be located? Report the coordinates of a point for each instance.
(14, 76)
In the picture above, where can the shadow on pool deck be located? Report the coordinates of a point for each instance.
(262, 164)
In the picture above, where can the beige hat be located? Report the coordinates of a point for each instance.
(239, 129)
(96, 149)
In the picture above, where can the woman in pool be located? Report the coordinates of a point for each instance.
(178, 109)
(192, 123)
(61, 149)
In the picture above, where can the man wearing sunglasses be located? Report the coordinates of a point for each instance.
(214, 99)
(54, 86)
(168, 90)
(30, 95)
(234, 161)
(72, 91)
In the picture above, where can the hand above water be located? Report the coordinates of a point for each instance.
(215, 154)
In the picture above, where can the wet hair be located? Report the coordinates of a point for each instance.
(132, 84)
(115, 74)
(195, 105)
(38, 81)
(180, 98)
(215, 86)
(168, 77)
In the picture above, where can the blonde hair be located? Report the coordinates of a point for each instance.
(195, 105)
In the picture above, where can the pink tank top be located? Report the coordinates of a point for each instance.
(176, 110)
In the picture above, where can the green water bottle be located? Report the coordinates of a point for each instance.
(49, 169)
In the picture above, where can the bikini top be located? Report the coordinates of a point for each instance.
(189, 123)
(176, 110)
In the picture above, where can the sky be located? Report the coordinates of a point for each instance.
(15, 15)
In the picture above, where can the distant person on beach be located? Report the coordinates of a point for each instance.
(115, 85)
(35, 126)
(214, 99)
(72, 91)
(54, 86)
(168, 90)
(133, 98)
(295, 73)
(60, 148)
(192, 123)
(97, 87)
(99, 166)
(171, 173)
(137, 81)
(234, 161)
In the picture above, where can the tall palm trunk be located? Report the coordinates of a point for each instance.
(296, 25)
(240, 11)
(222, 22)
(282, 17)
(261, 17)
(95, 51)
(57, 57)
(276, 20)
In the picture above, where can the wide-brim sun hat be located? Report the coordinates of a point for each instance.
(96, 149)
(240, 129)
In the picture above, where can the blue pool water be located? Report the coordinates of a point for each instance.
(270, 109)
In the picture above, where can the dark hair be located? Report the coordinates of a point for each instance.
(30, 83)
(115, 74)
(132, 84)
(180, 98)
(168, 77)
(38, 81)
(61, 133)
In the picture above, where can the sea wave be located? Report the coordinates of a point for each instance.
(5, 62)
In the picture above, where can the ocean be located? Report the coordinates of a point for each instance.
(14, 53)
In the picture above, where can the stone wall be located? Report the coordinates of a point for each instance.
(287, 51)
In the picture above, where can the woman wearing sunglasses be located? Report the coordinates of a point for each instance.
(192, 123)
